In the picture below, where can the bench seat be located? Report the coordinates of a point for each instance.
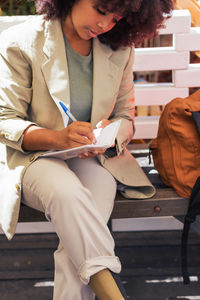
(165, 202)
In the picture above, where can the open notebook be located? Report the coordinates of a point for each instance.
(105, 138)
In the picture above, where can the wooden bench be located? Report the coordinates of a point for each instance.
(174, 58)
(165, 203)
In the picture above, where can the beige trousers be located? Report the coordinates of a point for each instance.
(77, 196)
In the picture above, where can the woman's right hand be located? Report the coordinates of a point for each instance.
(74, 135)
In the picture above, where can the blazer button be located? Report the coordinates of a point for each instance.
(17, 187)
(2, 134)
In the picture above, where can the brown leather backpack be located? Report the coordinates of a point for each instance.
(176, 155)
(176, 150)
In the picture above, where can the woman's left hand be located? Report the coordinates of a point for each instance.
(103, 123)
(92, 153)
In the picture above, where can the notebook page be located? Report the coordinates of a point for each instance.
(106, 136)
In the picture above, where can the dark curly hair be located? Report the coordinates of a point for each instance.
(141, 18)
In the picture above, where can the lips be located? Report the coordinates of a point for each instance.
(93, 33)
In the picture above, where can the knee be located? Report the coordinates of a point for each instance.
(68, 199)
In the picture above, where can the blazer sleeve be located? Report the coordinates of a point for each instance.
(124, 108)
(15, 92)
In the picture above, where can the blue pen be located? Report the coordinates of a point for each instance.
(66, 110)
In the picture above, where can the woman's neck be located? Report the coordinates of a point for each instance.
(83, 47)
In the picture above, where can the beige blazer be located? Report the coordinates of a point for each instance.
(33, 79)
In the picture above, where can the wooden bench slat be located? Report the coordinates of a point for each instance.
(165, 203)
(28, 214)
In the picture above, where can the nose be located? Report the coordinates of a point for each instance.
(106, 22)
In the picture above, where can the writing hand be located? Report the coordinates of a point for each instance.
(103, 123)
(74, 135)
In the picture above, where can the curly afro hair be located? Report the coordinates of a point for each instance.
(141, 18)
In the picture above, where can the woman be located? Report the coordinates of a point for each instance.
(80, 53)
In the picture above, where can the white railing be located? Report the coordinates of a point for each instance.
(175, 58)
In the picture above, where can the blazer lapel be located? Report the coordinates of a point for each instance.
(105, 74)
(55, 71)
(55, 68)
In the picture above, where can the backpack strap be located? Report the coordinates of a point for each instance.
(196, 117)
(193, 211)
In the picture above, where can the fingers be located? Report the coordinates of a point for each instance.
(92, 153)
(86, 155)
(80, 133)
(100, 151)
(103, 123)
(80, 139)
(83, 129)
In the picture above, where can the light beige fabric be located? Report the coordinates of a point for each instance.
(33, 78)
(80, 202)
(127, 171)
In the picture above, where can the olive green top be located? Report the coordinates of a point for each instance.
(80, 70)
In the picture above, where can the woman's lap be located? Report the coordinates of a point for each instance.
(79, 204)
(53, 175)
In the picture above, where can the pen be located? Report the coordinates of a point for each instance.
(69, 114)
(66, 110)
